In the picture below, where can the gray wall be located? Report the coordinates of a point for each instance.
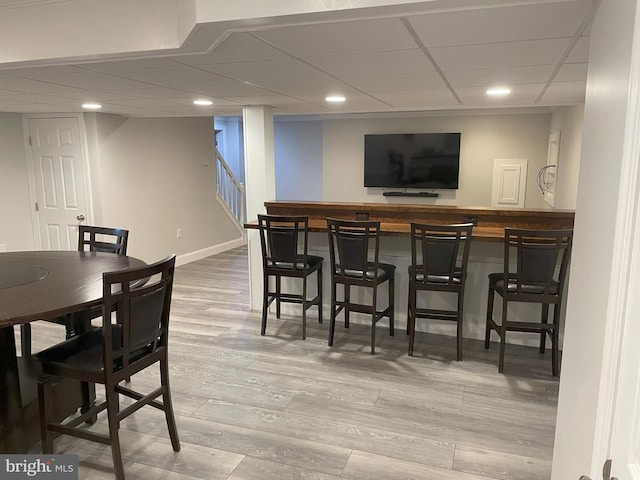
(298, 156)
(15, 208)
(323, 159)
(484, 138)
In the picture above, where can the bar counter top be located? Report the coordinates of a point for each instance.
(395, 219)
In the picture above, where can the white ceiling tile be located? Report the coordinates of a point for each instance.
(353, 99)
(89, 80)
(389, 83)
(263, 100)
(174, 76)
(571, 72)
(418, 98)
(156, 93)
(501, 24)
(532, 89)
(32, 86)
(500, 55)
(576, 88)
(377, 35)
(323, 87)
(374, 63)
(562, 99)
(227, 88)
(484, 101)
(266, 70)
(506, 76)
(580, 51)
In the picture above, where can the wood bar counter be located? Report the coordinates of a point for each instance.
(396, 219)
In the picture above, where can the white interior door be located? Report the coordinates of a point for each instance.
(59, 180)
(625, 443)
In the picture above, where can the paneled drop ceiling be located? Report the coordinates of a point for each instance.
(381, 61)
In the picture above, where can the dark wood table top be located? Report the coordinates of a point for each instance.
(36, 285)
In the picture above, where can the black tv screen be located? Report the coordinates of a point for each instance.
(412, 160)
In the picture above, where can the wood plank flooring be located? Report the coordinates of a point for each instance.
(279, 407)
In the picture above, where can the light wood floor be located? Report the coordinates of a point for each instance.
(279, 407)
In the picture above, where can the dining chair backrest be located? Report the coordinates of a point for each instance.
(283, 240)
(141, 300)
(536, 261)
(354, 247)
(440, 253)
(102, 239)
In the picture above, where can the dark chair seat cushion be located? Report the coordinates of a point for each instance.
(385, 270)
(83, 353)
(443, 278)
(313, 262)
(496, 281)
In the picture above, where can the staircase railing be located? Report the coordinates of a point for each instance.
(230, 190)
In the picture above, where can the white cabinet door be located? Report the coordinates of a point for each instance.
(509, 182)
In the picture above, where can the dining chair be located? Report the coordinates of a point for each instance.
(134, 336)
(354, 253)
(93, 239)
(439, 258)
(535, 269)
(284, 244)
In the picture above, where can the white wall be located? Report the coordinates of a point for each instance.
(484, 138)
(298, 157)
(568, 121)
(149, 177)
(589, 312)
(15, 208)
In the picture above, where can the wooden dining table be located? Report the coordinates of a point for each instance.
(42, 285)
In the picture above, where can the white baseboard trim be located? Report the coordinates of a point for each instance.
(207, 252)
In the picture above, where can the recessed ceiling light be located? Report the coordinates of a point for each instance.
(335, 99)
(203, 102)
(499, 91)
(91, 106)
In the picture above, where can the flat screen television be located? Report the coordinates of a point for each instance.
(412, 160)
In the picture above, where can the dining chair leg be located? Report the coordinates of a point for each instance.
(487, 334)
(114, 436)
(278, 293)
(347, 301)
(411, 318)
(544, 320)
(168, 406)
(503, 337)
(373, 335)
(392, 306)
(555, 352)
(265, 303)
(44, 407)
(304, 308)
(320, 289)
(374, 317)
(459, 325)
(332, 318)
(408, 312)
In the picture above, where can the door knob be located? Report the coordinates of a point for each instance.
(80, 217)
(606, 472)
